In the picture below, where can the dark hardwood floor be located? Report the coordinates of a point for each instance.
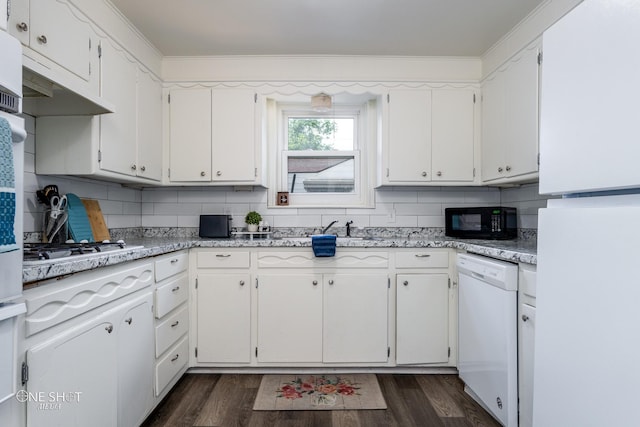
(227, 400)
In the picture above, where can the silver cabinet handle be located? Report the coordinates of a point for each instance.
(223, 255)
(331, 282)
(406, 283)
(315, 283)
(202, 173)
(219, 173)
(424, 174)
(176, 289)
(508, 168)
(241, 282)
(500, 169)
(175, 358)
(439, 173)
(525, 317)
(22, 26)
(422, 255)
(173, 261)
(109, 328)
(129, 320)
(174, 324)
(133, 167)
(143, 168)
(42, 39)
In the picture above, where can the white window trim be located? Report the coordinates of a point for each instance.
(363, 153)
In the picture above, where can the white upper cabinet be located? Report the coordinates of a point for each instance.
(589, 134)
(213, 136)
(149, 154)
(510, 120)
(56, 30)
(430, 138)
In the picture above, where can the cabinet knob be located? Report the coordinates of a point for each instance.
(202, 173)
(406, 283)
(129, 320)
(219, 173)
(525, 317)
(22, 26)
(143, 168)
(500, 169)
(424, 174)
(42, 39)
(331, 282)
(109, 328)
(315, 283)
(508, 168)
(241, 282)
(439, 173)
(133, 167)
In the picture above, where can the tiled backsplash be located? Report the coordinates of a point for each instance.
(416, 207)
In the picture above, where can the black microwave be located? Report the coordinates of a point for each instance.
(496, 222)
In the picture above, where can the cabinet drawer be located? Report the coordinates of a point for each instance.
(171, 265)
(422, 259)
(223, 259)
(171, 329)
(171, 295)
(171, 364)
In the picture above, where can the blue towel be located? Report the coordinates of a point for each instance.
(323, 245)
(7, 189)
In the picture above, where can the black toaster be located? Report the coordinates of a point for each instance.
(215, 226)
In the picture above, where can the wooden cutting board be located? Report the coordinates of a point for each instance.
(96, 219)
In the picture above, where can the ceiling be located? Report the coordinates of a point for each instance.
(327, 27)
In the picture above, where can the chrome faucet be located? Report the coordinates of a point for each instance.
(324, 230)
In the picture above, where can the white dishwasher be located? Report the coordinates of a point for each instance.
(488, 346)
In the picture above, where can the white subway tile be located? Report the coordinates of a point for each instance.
(159, 220)
(177, 208)
(189, 221)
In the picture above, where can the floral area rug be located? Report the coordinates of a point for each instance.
(319, 392)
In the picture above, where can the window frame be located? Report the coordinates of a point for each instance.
(364, 148)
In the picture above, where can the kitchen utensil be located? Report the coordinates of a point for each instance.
(58, 204)
(78, 222)
(96, 220)
(60, 224)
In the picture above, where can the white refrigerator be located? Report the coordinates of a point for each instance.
(587, 351)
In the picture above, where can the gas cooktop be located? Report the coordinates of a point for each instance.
(42, 252)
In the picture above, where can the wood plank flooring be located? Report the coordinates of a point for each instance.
(227, 401)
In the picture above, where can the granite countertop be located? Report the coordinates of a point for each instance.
(518, 251)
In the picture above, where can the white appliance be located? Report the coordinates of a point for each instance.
(587, 350)
(11, 195)
(488, 334)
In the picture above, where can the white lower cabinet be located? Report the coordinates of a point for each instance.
(355, 318)
(526, 341)
(422, 313)
(77, 374)
(224, 318)
(290, 318)
(323, 318)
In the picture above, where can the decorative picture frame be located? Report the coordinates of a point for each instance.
(282, 199)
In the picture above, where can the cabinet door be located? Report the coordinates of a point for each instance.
(422, 312)
(118, 130)
(149, 158)
(409, 139)
(521, 116)
(233, 135)
(452, 135)
(135, 360)
(82, 365)
(62, 34)
(355, 318)
(224, 318)
(290, 318)
(493, 113)
(19, 24)
(190, 135)
(527, 324)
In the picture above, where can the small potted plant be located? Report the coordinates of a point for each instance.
(252, 219)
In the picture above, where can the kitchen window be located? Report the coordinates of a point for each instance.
(323, 158)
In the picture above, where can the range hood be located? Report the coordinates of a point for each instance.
(48, 93)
